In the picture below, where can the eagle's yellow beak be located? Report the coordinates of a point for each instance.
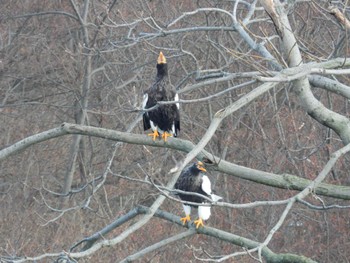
(161, 58)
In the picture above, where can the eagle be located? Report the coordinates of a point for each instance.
(164, 119)
(193, 179)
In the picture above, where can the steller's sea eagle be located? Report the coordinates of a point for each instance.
(193, 179)
(164, 119)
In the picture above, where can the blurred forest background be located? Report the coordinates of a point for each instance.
(88, 62)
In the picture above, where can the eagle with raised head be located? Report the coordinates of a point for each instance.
(163, 119)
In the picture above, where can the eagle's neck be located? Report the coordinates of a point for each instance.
(162, 71)
(194, 171)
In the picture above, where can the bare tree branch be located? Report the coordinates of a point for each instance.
(313, 185)
(340, 16)
(285, 181)
(269, 255)
(44, 14)
(86, 62)
(160, 244)
(339, 123)
(303, 70)
(330, 85)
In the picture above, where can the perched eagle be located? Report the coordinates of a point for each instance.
(192, 179)
(164, 119)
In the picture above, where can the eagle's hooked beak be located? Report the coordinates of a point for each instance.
(161, 58)
(200, 166)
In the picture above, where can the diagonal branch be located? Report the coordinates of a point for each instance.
(157, 203)
(337, 122)
(240, 241)
(325, 171)
(217, 233)
(89, 241)
(164, 242)
(285, 181)
(340, 16)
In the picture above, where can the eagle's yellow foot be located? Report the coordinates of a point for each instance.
(165, 135)
(155, 134)
(199, 223)
(185, 219)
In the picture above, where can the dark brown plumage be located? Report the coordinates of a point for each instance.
(165, 118)
(193, 179)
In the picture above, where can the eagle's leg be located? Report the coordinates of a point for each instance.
(185, 219)
(155, 134)
(199, 222)
(165, 135)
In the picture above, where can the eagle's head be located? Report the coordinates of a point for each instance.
(161, 58)
(162, 66)
(198, 167)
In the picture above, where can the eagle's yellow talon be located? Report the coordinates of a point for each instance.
(155, 134)
(185, 219)
(199, 223)
(165, 135)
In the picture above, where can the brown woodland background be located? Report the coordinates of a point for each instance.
(89, 62)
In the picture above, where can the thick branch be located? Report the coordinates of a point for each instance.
(285, 181)
(175, 173)
(340, 16)
(77, 143)
(89, 241)
(44, 14)
(158, 245)
(339, 123)
(269, 255)
(330, 85)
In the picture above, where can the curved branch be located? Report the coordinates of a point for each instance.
(103, 232)
(337, 122)
(166, 191)
(340, 16)
(301, 71)
(222, 78)
(46, 13)
(175, 173)
(164, 242)
(269, 255)
(285, 181)
(322, 175)
(330, 85)
(201, 10)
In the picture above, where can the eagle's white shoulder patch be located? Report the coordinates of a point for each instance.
(176, 98)
(145, 99)
(206, 185)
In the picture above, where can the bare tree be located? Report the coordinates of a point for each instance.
(264, 96)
